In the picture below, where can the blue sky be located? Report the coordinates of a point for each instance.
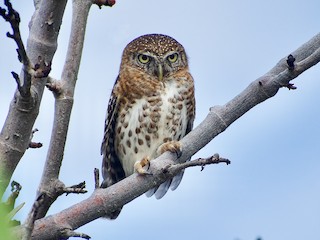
(272, 187)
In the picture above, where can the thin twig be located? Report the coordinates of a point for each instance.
(96, 178)
(12, 16)
(202, 162)
(41, 69)
(78, 188)
(66, 233)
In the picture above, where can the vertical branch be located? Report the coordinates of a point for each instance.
(63, 91)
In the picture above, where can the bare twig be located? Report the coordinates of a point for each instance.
(66, 233)
(78, 188)
(202, 162)
(96, 178)
(12, 16)
(215, 159)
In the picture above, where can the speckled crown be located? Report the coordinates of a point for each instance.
(156, 43)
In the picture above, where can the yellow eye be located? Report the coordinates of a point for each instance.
(173, 57)
(143, 58)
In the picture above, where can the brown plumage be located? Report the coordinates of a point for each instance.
(151, 108)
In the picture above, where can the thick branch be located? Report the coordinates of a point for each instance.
(104, 201)
(220, 117)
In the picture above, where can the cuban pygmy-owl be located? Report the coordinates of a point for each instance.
(151, 108)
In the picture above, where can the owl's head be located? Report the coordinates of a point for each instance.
(155, 54)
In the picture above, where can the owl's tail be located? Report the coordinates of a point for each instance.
(161, 190)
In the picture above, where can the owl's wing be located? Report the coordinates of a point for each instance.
(112, 170)
(173, 183)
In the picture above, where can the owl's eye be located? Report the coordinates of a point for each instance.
(143, 58)
(173, 57)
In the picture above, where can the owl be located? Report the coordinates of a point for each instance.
(151, 108)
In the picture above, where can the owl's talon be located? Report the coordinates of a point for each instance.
(139, 166)
(171, 146)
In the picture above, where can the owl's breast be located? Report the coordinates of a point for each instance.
(146, 123)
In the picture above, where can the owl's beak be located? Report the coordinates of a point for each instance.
(160, 72)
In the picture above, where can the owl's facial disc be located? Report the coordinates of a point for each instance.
(159, 65)
(149, 61)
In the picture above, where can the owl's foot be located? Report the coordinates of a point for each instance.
(139, 166)
(171, 146)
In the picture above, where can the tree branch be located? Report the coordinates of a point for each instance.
(24, 108)
(13, 18)
(104, 201)
(78, 188)
(40, 70)
(96, 178)
(202, 162)
(29, 224)
(220, 117)
(63, 90)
